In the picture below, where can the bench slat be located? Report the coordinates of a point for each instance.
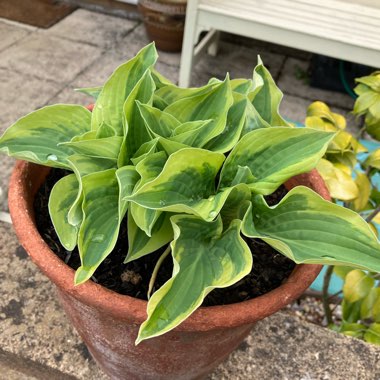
(305, 18)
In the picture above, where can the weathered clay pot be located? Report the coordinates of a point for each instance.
(108, 322)
(164, 22)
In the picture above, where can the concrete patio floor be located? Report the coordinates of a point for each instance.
(42, 67)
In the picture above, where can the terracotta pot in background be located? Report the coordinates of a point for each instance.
(164, 22)
(108, 322)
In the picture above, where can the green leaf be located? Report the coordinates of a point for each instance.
(205, 257)
(372, 81)
(159, 80)
(356, 330)
(373, 160)
(372, 335)
(92, 91)
(241, 85)
(140, 244)
(357, 285)
(212, 105)
(370, 307)
(274, 155)
(236, 204)
(186, 184)
(253, 120)
(308, 229)
(236, 118)
(135, 131)
(108, 147)
(145, 150)
(266, 97)
(61, 198)
(160, 123)
(110, 103)
(83, 165)
(172, 93)
(36, 137)
(351, 311)
(149, 168)
(103, 211)
(365, 101)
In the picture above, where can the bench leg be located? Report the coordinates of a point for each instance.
(214, 46)
(189, 41)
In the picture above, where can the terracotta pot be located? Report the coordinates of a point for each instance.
(164, 23)
(108, 322)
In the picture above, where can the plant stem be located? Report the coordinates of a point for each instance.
(372, 214)
(156, 269)
(325, 294)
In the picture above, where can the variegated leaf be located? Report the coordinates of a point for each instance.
(140, 244)
(103, 211)
(308, 229)
(61, 199)
(110, 102)
(205, 257)
(37, 137)
(274, 155)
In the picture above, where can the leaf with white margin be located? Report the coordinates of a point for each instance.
(241, 85)
(61, 198)
(83, 165)
(160, 80)
(236, 205)
(185, 185)
(149, 168)
(145, 150)
(109, 105)
(266, 96)
(92, 91)
(135, 132)
(160, 123)
(172, 93)
(236, 118)
(103, 211)
(274, 155)
(253, 120)
(204, 256)
(213, 105)
(36, 137)
(140, 244)
(107, 147)
(308, 229)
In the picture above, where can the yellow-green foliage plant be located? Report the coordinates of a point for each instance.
(351, 180)
(189, 169)
(368, 102)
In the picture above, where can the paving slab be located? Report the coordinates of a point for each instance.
(10, 34)
(6, 166)
(293, 81)
(33, 327)
(284, 348)
(21, 93)
(42, 56)
(93, 28)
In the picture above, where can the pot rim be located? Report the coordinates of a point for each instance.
(28, 177)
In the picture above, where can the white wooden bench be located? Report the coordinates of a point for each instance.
(343, 29)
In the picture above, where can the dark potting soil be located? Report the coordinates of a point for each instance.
(269, 270)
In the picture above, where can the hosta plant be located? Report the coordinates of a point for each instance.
(189, 169)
